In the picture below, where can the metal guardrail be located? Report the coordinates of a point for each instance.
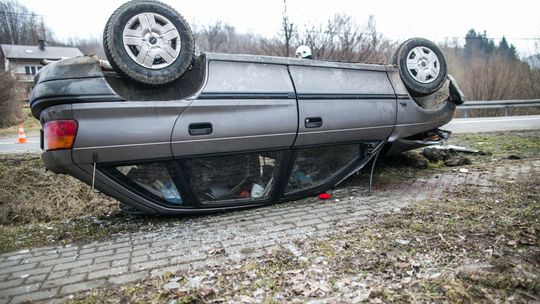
(498, 104)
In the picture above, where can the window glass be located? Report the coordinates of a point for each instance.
(27, 70)
(247, 177)
(316, 166)
(33, 68)
(249, 77)
(155, 179)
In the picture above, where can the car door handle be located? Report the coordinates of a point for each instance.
(313, 122)
(200, 128)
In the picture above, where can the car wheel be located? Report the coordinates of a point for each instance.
(421, 65)
(148, 42)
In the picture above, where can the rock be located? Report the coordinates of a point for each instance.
(435, 155)
(172, 286)
(403, 242)
(414, 159)
(513, 156)
(463, 170)
(457, 161)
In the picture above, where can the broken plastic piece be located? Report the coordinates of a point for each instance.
(456, 148)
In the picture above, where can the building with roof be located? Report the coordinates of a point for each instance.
(24, 61)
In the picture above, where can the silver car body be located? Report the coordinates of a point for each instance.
(226, 105)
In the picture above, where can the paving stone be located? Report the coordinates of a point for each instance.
(19, 290)
(35, 296)
(128, 278)
(89, 268)
(30, 272)
(149, 265)
(57, 274)
(115, 257)
(40, 258)
(82, 286)
(18, 268)
(20, 256)
(140, 258)
(70, 265)
(107, 272)
(88, 249)
(96, 254)
(120, 263)
(36, 278)
(11, 283)
(58, 261)
(64, 280)
(9, 264)
(114, 246)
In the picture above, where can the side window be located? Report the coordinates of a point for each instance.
(153, 180)
(246, 177)
(229, 77)
(314, 167)
(339, 81)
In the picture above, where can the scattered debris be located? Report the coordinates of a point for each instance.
(514, 156)
(325, 196)
(463, 170)
(403, 242)
(172, 286)
(216, 251)
(457, 161)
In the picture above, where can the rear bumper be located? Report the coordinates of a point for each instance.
(69, 81)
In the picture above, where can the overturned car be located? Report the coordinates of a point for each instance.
(167, 130)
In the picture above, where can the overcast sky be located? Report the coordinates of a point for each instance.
(518, 20)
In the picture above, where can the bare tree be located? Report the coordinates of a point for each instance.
(18, 25)
(288, 30)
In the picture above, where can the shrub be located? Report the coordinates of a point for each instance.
(10, 107)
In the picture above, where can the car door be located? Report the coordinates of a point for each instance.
(343, 104)
(244, 106)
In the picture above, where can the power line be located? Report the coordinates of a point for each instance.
(20, 14)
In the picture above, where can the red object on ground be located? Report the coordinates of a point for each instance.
(324, 196)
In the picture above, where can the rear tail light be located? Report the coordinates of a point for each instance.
(59, 134)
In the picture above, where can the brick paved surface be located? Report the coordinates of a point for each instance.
(52, 274)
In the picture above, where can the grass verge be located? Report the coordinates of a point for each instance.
(30, 124)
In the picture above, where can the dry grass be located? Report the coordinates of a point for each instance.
(32, 195)
(30, 124)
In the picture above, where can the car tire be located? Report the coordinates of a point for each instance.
(421, 65)
(148, 42)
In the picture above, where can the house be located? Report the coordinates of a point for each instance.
(24, 61)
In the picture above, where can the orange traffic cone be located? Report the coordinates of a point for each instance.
(22, 135)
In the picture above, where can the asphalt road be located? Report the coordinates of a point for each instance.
(457, 125)
(10, 144)
(493, 124)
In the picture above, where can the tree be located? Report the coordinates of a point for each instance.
(18, 25)
(288, 29)
(506, 50)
